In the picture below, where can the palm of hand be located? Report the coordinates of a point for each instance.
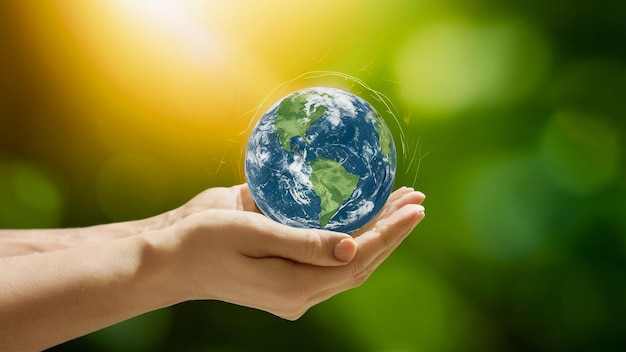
(223, 198)
(239, 198)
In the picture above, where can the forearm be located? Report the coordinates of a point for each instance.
(64, 294)
(22, 242)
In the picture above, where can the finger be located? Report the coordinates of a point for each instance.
(412, 197)
(402, 191)
(397, 200)
(413, 215)
(407, 196)
(373, 250)
(374, 246)
(371, 253)
(315, 284)
(394, 197)
(389, 232)
(309, 246)
(398, 193)
(245, 199)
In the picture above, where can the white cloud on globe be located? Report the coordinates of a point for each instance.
(364, 207)
(295, 169)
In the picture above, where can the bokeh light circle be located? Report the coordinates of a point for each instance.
(452, 65)
(508, 206)
(29, 196)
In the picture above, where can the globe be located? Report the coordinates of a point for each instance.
(321, 158)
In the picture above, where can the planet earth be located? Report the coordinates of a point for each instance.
(321, 158)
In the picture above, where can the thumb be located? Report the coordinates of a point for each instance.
(310, 246)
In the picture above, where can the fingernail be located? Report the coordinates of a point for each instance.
(416, 220)
(345, 250)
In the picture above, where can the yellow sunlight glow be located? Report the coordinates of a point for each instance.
(173, 21)
(169, 59)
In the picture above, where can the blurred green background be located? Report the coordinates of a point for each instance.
(514, 112)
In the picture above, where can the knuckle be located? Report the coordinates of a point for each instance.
(387, 241)
(312, 245)
(382, 235)
(360, 279)
(359, 275)
(357, 268)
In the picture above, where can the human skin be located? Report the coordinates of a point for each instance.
(60, 284)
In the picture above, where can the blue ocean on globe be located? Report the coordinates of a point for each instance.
(321, 158)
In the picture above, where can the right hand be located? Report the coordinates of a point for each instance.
(224, 249)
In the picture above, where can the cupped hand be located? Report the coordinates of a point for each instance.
(226, 250)
(226, 198)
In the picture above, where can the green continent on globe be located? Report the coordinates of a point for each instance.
(293, 119)
(333, 184)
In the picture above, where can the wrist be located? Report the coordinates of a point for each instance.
(135, 227)
(162, 261)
